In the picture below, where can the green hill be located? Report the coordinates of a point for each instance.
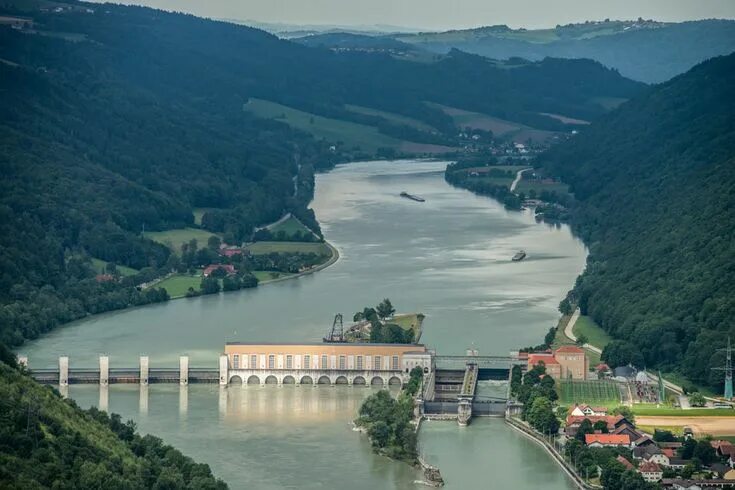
(655, 184)
(49, 442)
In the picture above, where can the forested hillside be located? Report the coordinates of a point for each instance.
(48, 442)
(121, 119)
(649, 51)
(655, 181)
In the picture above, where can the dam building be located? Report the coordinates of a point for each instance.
(321, 363)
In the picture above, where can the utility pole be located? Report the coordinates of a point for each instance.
(728, 371)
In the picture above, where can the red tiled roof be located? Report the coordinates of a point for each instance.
(649, 467)
(607, 439)
(628, 465)
(547, 359)
(569, 348)
(229, 268)
(610, 419)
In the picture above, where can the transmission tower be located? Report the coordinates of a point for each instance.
(728, 371)
(337, 334)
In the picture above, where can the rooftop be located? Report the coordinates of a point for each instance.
(572, 349)
(607, 439)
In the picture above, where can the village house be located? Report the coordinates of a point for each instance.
(650, 471)
(614, 423)
(651, 453)
(607, 440)
(628, 465)
(566, 362)
(681, 484)
(586, 410)
(228, 268)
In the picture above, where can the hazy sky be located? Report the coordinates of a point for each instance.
(447, 14)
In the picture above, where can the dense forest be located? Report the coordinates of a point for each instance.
(121, 119)
(49, 442)
(655, 185)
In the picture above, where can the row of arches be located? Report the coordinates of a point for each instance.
(308, 380)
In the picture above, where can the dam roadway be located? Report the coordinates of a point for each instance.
(448, 258)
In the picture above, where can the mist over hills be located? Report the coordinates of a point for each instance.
(648, 51)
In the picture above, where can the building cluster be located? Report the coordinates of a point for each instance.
(650, 458)
(566, 362)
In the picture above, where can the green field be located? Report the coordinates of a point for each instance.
(99, 267)
(653, 410)
(596, 392)
(175, 238)
(408, 321)
(352, 135)
(290, 226)
(392, 117)
(263, 276)
(179, 284)
(261, 248)
(595, 334)
(526, 185)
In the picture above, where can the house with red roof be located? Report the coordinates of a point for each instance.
(650, 471)
(628, 465)
(586, 410)
(228, 268)
(607, 440)
(566, 362)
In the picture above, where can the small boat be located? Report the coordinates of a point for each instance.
(412, 197)
(520, 255)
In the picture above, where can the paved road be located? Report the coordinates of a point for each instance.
(569, 332)
(517, 179)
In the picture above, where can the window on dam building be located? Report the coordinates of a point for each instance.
(289, 362)
(254, 362)
(236, 361)
(271, 361)
(325, 364)
(376, 363)
(342, 363)
(307, 361)
(394, 363)
(359, 363)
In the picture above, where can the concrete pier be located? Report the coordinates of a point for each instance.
(144, 370)
(224, 377)
(184, 370)
(63, 371)
(104, 370)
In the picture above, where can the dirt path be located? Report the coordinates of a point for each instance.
(716, 426)
(519, 175)
(569, 332)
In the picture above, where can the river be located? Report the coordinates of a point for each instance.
(448, 257)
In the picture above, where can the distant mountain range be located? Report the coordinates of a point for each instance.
(647, 51)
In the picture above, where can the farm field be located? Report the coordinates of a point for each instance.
(177, 237)
(654, 411)
(714, 426)
(99, 266)
(352, 135)
(177, 285)
(261, 248)
(391, 116)
(595, 334)
(594, 392)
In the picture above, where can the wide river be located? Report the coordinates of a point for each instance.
(448, 257)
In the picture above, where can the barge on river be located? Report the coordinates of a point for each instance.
(412, 197)
(519, 256)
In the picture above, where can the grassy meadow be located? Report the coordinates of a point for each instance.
(177, 237)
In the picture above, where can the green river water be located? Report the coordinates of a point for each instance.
(448, 257)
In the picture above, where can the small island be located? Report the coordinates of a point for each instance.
(381, 324)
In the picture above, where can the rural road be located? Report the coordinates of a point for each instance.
(519, 174)
(569, 332)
